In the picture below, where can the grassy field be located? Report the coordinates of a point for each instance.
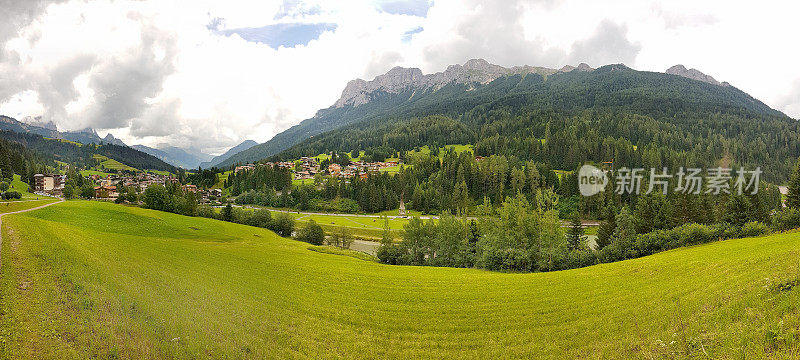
(94, 172)
(98, 280)
(352, 221)
(22, 188)
(112, 164)
(459, 148)
(12, 206)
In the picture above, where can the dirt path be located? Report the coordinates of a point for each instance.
(17, 212)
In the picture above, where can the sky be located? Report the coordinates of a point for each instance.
(207, 75)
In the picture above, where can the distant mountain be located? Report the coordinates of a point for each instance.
(112, 140)
(37, 121)
(11, 124)
(694, 74)
(404, 93)
(49, 130)
(175, 156)
(83, 156)
(232, 151)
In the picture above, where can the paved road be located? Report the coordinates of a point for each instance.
(369, 247)
(17, 212)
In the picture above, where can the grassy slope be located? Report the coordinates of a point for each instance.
(21, 187)
(12, 206)
(88, 279)
(112, 164)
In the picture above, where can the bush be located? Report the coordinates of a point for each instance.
(390, 254)
(311, 233)
(509, 259)
(206, 212)
(260, 218)
(4, 186)
(8, 195)
(342, 237)
(753, 228)
(283, 224)
(786, 219)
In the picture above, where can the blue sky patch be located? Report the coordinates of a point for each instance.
(286, 35)
(404, 7)
(408, 34)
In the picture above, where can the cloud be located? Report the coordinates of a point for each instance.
(208, 74)
(677, 19)
(56, 87)
(490, 30)
(277, 35)
(19, 13)
(123, 84)
(407, 7)
(296, 9)
(790, 102)
(608, 45)
(381, 63)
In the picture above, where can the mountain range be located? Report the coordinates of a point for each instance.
(232, 151)
(403, 93)
(407, 92)
(175, 156)
(169, 154)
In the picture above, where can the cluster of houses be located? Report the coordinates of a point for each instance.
(107, 187)
(308, 167)
(359, 167)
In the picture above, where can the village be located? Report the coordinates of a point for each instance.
(308, 167)
(109, 187)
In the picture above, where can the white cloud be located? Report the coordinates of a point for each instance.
(154, 71)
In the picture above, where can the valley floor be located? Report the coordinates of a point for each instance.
(96, 280)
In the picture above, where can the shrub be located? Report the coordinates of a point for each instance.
(206, 212)
(753, 228)
(342, 237)
(282, 224)
(508, 259)
(786, 219)
(390, 254)
(260, 218)
(8, 195)
(311, 233)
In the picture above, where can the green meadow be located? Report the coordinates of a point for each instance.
(97, 280)
(12, 206)
(112, 164)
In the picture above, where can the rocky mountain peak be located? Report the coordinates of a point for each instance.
(694, 74)
(474, 71)
(39, 122)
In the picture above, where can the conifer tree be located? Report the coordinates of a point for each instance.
(793, 197)
(606, 230)
(576, 238)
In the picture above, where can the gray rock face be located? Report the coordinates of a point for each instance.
(694, 74)
(475, 71)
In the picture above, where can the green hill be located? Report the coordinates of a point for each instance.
(84, 155)
(80, 280)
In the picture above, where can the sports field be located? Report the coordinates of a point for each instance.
(96, 280)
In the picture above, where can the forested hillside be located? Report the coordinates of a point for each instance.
(529, 102)
(82, 155)
(613, 113)
(17, 159)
